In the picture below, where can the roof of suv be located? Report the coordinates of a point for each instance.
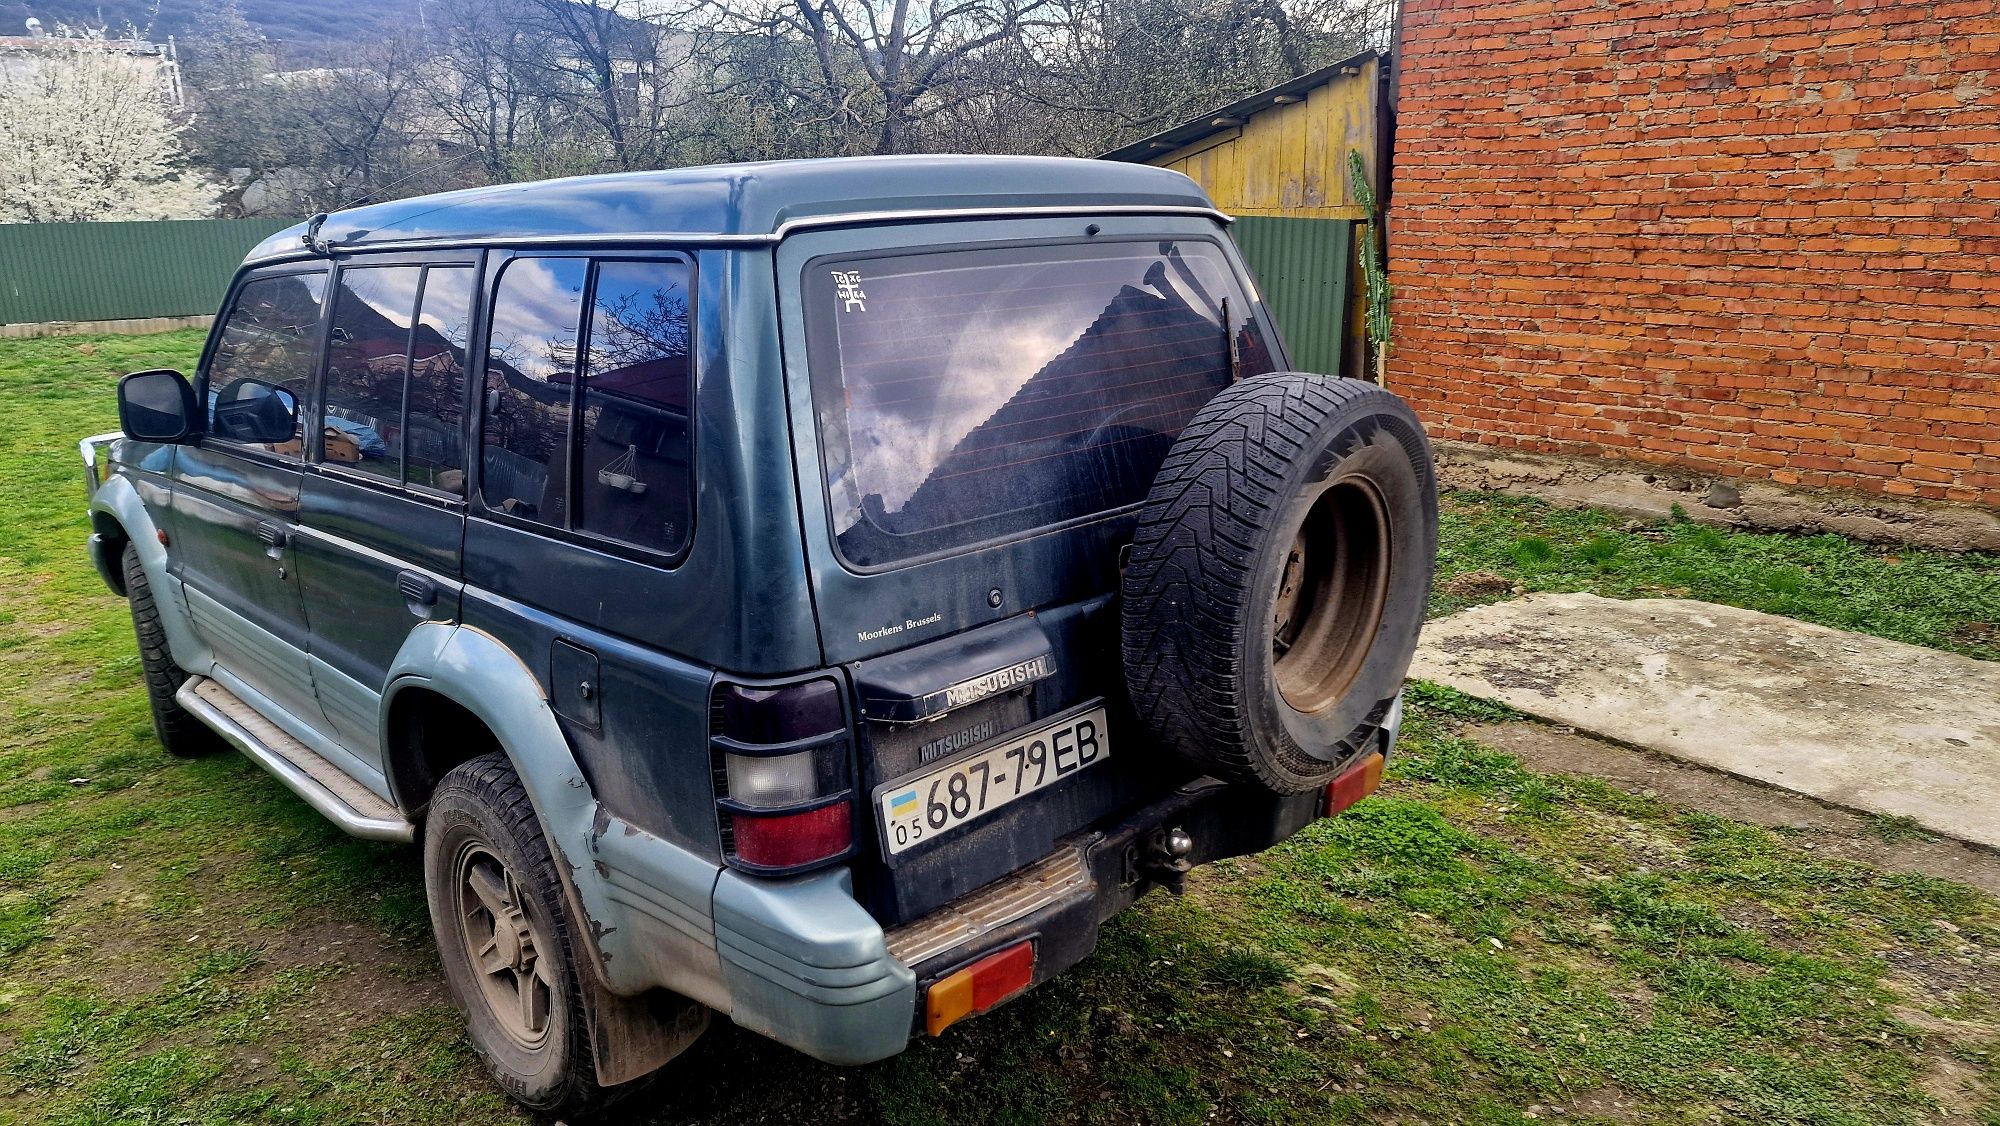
(744, 202)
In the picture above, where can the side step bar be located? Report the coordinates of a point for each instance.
(347, 803)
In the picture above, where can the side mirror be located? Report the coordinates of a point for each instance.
(256, 412)
(156, 406)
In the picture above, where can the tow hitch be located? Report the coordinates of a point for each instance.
(1161, 858)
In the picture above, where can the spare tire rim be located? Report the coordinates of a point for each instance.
(1331, 594)
(504, 946)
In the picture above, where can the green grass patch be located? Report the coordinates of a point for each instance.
(184, 942)
(1490, 543)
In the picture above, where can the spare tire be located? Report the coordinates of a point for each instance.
(1279, 574)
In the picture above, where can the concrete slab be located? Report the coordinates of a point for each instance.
(1856, 721)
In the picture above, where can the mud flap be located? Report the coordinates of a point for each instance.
(632, 1037)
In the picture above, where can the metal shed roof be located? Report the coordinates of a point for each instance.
(1235, 114)
(744, 202)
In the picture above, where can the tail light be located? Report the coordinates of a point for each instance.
(1354, 783)
(783, 785)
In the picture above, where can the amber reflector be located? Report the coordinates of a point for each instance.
(1357, 782)
(980, 986)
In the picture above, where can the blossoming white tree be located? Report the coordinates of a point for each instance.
(84, 135)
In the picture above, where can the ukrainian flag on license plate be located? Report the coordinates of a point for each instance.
(903, 804)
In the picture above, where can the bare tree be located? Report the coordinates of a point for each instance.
(497, 90)
(622, 68)
(480, 88)
(1120, 69)
(883, 69)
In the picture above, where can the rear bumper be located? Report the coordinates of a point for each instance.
(1221, 820)
(1094, 876)
(804, 964)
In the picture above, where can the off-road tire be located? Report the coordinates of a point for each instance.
(179, 731)
(1300, 507)
(481, 805)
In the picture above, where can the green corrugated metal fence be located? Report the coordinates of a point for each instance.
(1302, 267)
(113, 271)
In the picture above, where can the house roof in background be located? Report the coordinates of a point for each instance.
(1235, 113)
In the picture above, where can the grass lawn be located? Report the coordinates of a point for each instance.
(1491, 544)
(187, 943)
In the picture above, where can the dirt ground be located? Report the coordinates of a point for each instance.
(1812, 826)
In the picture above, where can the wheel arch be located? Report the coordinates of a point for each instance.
(426, 733)
(445, 671)
(119, 517)
(109, 539)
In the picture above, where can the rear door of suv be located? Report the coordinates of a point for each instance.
(382, 514)
(978, 409)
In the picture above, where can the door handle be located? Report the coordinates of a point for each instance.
(416, 589)
(274, 536)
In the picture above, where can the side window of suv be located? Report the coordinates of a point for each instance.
(589, 365)
(368, 368)
(530, 373)
(433, 424)
(263, 361)
(395, 375)
(635, 482)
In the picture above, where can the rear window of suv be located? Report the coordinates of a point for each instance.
(971, 395)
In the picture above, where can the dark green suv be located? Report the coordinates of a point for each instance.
(820, 593)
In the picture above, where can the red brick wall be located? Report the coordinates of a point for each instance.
(1753, 237)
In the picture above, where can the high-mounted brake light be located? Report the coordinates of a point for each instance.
(782, 775)
(1354, 783)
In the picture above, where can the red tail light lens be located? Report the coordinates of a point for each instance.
(791, 840)
(782, 774)
(1354, 783)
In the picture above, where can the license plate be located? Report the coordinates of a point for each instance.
(974, 786)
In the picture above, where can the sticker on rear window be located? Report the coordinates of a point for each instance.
(847, 291)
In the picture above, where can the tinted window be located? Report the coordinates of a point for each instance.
(968, 395)
(530, 373)
(635, 480)
(433, 432)
(263, 361)
(367, 367)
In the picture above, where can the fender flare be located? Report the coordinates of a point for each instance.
(479, 673)
(117, 502)
(628, 1037)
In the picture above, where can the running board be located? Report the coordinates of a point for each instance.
(358, 810)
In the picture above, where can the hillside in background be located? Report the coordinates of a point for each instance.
(305, 30)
